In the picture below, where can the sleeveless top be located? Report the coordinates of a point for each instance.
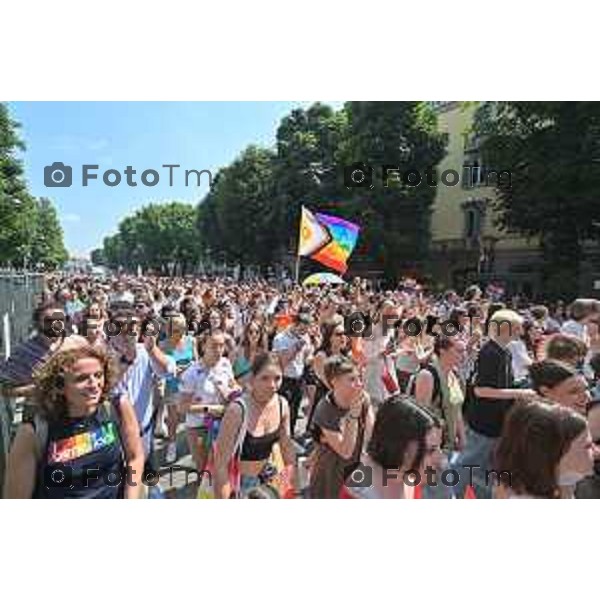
(260, 447)
(241, 366)
(183, 357)
(83, 458)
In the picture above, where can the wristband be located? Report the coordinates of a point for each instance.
(234, 395)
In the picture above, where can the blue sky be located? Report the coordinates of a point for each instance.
(145, 135)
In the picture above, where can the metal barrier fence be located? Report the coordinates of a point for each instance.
(19, 294)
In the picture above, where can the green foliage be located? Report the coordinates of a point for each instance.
(553, 152)
(98, 257)
(396, 218)
(243, 207)
(253, 210)
(153, 237)
(30, 232)
(48, 247)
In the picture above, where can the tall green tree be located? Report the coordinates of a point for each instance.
(243, 208)
(154, 237)
(252, 212)
(305, 169)
(48, 246)
(17, 206)
(114, 251)
(552, 150)
(395, 219)
(98, 257)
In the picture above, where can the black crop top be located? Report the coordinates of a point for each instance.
(260, 447)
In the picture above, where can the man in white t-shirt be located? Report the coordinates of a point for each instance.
(294, 347)
(140, 363)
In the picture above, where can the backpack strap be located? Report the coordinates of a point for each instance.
(243, 426)
(436, 393)
(437, 385)
(111, 411)
(280, 398)
(238, 446)
(40, 428)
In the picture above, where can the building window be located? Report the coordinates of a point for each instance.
(474, 175)
(471, 217)
(474, 219)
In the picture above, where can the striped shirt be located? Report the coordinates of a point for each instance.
(27, 356)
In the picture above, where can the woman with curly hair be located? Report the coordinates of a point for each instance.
(79, 443)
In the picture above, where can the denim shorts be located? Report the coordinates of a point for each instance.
(247, 482)
(478, 454)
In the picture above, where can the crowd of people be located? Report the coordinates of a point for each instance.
(286, 391)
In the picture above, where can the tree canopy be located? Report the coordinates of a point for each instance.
(153, 237)
(30, 232)
(553, 152)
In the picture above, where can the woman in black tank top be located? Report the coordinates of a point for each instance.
(79, 443)
(249, 430)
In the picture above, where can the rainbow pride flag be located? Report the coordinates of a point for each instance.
(338, 245)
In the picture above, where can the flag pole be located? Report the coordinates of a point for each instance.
(297, 267)
(297, 270)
